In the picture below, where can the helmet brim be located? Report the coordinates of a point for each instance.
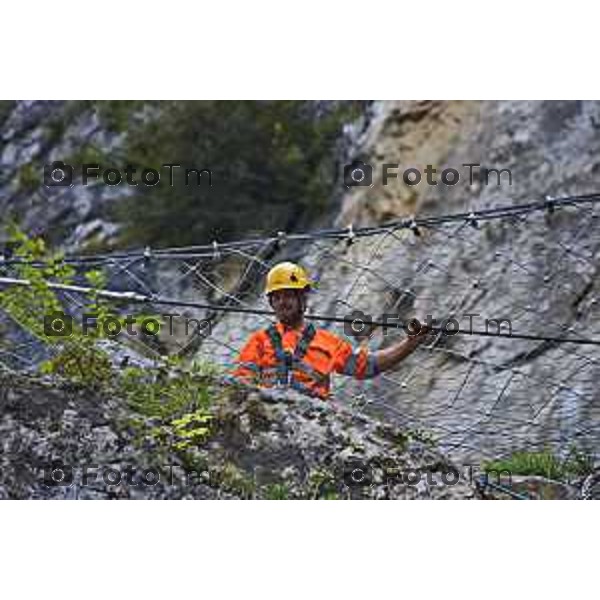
(289, 286)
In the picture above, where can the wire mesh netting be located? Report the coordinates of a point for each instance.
(519, 281)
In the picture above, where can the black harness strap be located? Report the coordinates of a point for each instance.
(280, 354)
(286, 360)
(307, 337)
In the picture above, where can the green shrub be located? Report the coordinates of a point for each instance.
(277, 491)
(544, 463)
(272, 165)
(76, 357)
(170, 404)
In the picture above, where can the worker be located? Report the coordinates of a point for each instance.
(301, 355)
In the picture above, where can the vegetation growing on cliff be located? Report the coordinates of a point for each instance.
(170, 405)
(545, 463)
(272, 163)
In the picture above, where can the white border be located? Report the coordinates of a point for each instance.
(255, 50)
(328, 549)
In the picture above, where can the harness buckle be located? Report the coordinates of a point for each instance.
(289, 366)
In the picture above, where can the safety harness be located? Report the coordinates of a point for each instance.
(288, 362)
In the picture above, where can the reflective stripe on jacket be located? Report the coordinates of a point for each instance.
(301, 358)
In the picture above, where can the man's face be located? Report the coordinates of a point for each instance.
(288, 305)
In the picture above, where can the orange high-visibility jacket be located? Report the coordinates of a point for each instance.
(301, 358)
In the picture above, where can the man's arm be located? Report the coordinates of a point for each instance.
(388, 357)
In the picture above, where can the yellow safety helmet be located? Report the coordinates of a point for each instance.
(287, 276)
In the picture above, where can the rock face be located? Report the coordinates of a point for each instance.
(36, 133)
(280, 445)
(481, 397)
